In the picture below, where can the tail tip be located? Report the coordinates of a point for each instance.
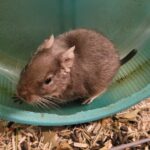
(134, 51)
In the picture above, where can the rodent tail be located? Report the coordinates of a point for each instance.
(130, 55)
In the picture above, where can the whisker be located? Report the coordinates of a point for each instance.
(40, 105)
(14, 97)
(53, 98)
(52, 102)
(44, 104)
(36, 106)
(17, 99)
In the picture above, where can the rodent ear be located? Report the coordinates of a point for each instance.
(67, 59)
(49, 42)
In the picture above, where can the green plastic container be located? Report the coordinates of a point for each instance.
(25, 24)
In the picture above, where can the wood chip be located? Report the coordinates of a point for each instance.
(126, 127)
(130, 115)
(64, 146)
(80, 145)
(97, 128)
(107, 146)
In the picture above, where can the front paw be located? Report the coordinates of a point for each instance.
(88, 101)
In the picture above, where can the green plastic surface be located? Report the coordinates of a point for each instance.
(25, 24)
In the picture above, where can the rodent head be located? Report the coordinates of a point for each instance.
(47, 74)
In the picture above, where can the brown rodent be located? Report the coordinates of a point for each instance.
(76, 65)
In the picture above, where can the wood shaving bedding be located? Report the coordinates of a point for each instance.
(125, 127)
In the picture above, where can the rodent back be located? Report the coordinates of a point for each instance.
(93, 51)
(96, 60)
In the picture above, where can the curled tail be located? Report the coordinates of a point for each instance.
(130, 55)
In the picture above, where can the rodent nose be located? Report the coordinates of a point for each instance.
(28, 96)
(23, 94)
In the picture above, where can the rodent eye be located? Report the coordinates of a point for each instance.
(48, 80)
